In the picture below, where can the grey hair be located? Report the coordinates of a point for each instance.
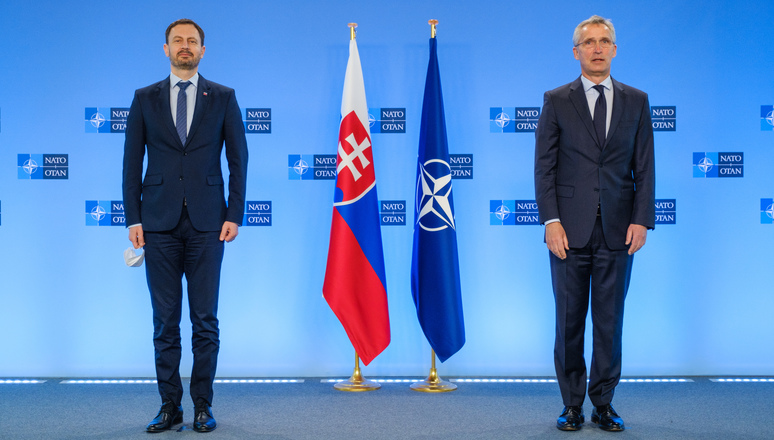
(594, 19)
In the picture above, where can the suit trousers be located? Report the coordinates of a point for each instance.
(169, 256)
(605, 273)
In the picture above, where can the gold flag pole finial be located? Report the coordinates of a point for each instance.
(433, 383)
(432, 23)
(357, 382)
(352, 33)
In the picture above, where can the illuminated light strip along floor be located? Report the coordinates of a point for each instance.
(743, 379)
(153, 381)
(108, 381)
(386, 380)
(515, 380)
(20, 381)
(503, 380)
(657, 380)
(259, 380)
(375, 380)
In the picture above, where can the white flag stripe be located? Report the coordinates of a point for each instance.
(354, 97)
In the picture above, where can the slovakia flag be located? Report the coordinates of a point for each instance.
(355, 286)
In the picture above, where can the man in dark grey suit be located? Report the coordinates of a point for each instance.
(595, 190)
(178, 212)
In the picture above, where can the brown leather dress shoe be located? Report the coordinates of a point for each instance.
(571, 419)
(168, 416)
(203, 420)
(607, 419)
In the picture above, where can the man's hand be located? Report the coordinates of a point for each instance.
(556, 240)
(635, 236)
(136, 236)
(229, 231)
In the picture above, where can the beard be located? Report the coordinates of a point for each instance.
(185, 64)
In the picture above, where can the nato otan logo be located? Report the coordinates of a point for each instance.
(513, 212)
(43, 166)
(387, 120)
(106, 119)
(392, 212)
(664, 118)
(513, 119)
(312, 166)
(767, 117)
(666, 211)
(461, 166)
(718, 164)
(767, 211)
(257, 213)
(105, 213)
(257, 120)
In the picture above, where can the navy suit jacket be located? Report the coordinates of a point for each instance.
(190, 172)
(575, 172)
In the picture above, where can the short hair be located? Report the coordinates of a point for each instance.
(594, 19)
(184, 21)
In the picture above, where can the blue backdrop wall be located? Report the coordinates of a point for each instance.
(700, 300)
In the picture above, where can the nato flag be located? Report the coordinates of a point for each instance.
(435, 271)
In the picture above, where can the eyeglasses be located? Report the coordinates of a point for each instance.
(591, 44)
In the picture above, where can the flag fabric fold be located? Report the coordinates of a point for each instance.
(435, 274)
(354, 285)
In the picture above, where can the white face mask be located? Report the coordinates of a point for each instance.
(132, 259)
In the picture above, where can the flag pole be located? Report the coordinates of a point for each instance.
(356, 382)
(352, 33)
(432, 24)
(433, 383)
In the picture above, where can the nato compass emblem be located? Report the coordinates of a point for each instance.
(98, 213)
(502, 119)
(30, 166)
(97, 120)
(433, 203)
(705, 165)
(300, 167)
(502, 212)
(767, 117)
(767, 211)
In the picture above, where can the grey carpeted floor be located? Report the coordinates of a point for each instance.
(701, 409)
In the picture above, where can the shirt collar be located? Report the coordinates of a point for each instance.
(173, 80)
(587, 84)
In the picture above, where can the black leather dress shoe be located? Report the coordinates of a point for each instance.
(203, 420)
(168, 415)
(607, 419)
(571, 419)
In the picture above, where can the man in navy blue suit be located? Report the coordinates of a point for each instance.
(178, 212)
(595, 190)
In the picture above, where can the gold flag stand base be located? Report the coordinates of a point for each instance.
(433, 383)
(356, 382)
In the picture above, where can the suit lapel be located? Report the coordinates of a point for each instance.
(202, 103)
(164, 109)
(578, 99)
(619, 103)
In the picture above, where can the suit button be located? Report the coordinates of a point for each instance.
(181, 177)
(595, 189)
(185, 154)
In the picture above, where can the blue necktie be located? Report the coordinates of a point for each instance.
(600, 114)
(181, 122)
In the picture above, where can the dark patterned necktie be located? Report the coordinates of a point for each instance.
(182, 111)
(600, 114)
